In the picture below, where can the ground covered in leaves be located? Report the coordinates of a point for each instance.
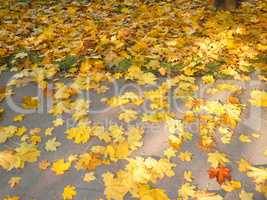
(150, 100)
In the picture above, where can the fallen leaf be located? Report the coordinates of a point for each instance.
(188, 176)
(59, 167)
(69, 192)
(58, 122)
(52, 144)
(9, 160)
(231, 186)
(44, 164)
(49, 131)
(29, 102)
(185, 156)
(88, 177)
(258, 98)
(244, 138)
(217, 159)
(13, 181)
(243, 195)
(11, 198)
(18, 118)
(243, 165)
(220, 173)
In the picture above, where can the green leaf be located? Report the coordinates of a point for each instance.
(68, 62)
(171, 67)
(35, 57)
(123, 66)
(260, 59)
(214, 65)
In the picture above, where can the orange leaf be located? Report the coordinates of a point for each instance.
(220, 173)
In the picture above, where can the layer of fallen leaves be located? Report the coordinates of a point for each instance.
(97, 42)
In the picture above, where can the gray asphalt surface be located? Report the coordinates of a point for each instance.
(45, 185)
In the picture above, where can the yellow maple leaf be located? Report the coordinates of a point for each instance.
(243, 165)
(217, 159)
(146, 78)
(59, 108)
(256, 135)
(58, 122)
(29, 102)
(44, 164)
(80, 108)
(262, 188)
(208, 79)
(259, 175)
(80, 134)
(175, 142)
(244, 138)
(11, 198)
(258, 98)
(153, 194)
(231, 185)
(134, 139)
(72, 157)
(28, 152)
(86, 66)
(35, 131)
(52, 144)
(88, 161)
(185, 156)
(261, 47)
(226, 134)
(21, 130)
(170, 152)
(117, 151)
(35, 139)
(88, 177)
(214, 107)
(128, 115)
(69, 192)
(187, 191)
(162, 71)
(114, 188)
(122, 150)
(49, 131)
(47, 34)
(7, 132)
(188, 175)
(13, 181)
(116, 132)
(204, 195)
(9, 160)
(18, 118)
(59, 167)
(243, 195)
